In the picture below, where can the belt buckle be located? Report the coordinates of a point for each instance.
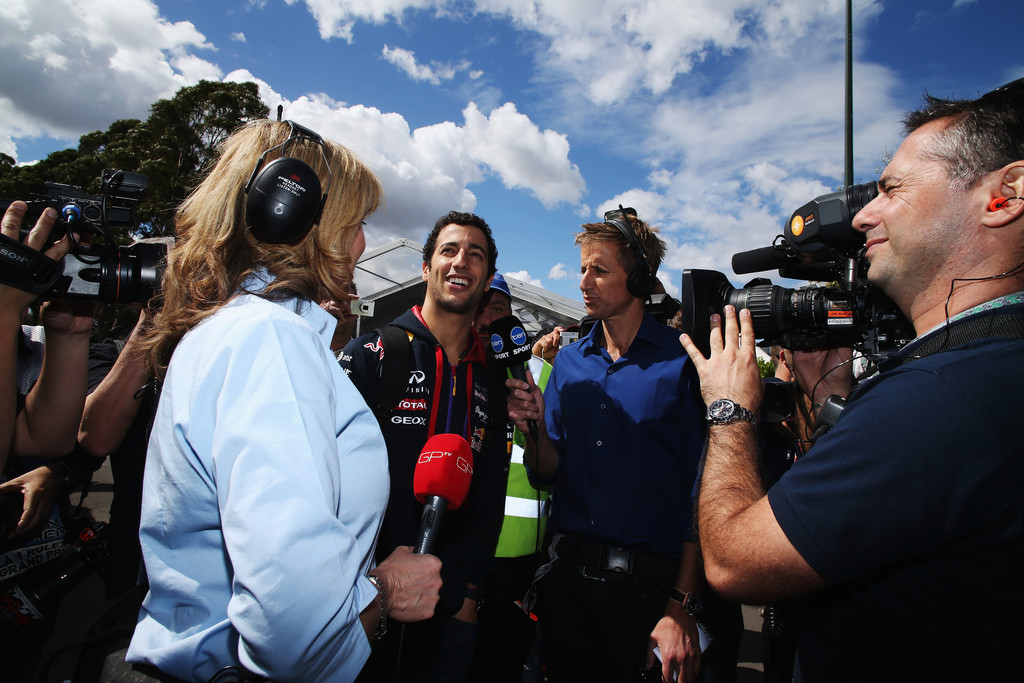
(617, 560)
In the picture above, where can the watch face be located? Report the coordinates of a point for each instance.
(694, 605)
(722, 409)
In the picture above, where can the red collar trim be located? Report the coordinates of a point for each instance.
(475, 353)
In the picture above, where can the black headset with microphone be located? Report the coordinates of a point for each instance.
(284, 198)
(642, 280)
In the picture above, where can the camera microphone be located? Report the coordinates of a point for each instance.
(764, 258)
(510, 350)
(441, 481)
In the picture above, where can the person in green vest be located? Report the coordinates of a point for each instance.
(505, 632)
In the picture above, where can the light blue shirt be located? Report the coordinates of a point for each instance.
(265, 486)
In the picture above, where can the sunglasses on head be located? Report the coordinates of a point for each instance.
(1012, 88)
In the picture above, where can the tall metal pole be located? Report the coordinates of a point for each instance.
(849, 93)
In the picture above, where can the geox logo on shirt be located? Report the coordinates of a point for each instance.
(413, 420)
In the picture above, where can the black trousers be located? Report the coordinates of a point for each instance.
(437, 650)
(598, 630)
(504, 632)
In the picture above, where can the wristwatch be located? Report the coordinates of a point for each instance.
(724, 411)
(692, 603)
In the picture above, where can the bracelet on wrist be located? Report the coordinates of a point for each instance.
(382, 623)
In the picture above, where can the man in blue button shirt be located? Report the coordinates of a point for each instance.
(620, 439)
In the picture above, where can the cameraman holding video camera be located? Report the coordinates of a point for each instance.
(44, 371)
(34, 432)
(901, 526)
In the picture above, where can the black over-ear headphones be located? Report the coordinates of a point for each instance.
(642, 280)
(284, 199)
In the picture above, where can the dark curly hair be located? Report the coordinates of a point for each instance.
(467, 220)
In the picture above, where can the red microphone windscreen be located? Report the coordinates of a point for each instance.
(444, 469)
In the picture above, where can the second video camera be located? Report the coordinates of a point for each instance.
(100, 270)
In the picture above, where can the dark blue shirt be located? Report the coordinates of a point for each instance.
(629, 436)
(912, 508)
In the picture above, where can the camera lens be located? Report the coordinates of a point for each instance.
(135, 274)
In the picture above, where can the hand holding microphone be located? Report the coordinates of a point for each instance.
(412, 584)
(411, 578)
(509, 349)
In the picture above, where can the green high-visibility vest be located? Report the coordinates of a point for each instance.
(526, 508)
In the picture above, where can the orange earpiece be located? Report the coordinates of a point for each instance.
(999, 202)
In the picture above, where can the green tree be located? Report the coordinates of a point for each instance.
(180, 139)
(172, 148)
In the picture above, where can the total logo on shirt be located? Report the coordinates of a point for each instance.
(412, 404)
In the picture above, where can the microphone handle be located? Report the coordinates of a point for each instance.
(518, 371)
(430, 524)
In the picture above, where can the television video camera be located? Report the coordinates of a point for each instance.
(819, 243)
(100, 270)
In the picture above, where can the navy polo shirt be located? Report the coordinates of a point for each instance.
(629, 435)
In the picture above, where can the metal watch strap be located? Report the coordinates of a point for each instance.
(382, 624)
(733, 412)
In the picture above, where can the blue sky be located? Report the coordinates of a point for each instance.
(714, 118)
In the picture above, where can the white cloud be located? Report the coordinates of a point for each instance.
(238, 37)
(125, 56)
(336, 18)
(612, 49)
(74, 66)
(427, 171)
(524, 276)
(558, 272)
(433, 73)
(727, 157)
(729, 149)
(523, 155)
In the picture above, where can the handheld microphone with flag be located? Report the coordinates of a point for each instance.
(441, 481)
(509, 349)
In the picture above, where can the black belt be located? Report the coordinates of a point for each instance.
(616, 562)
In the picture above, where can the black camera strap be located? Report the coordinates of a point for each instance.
(1006, 322)
(25, 268)
(998, 322)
